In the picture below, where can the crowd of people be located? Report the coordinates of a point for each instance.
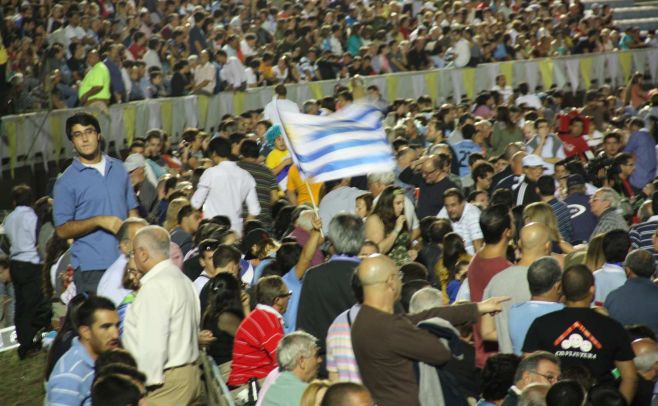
(66, 54)
(508, 259)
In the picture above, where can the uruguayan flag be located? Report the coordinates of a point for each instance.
(347, 143)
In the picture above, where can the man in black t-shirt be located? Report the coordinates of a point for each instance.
(579, 335)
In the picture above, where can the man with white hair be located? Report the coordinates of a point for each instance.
(646, 363)
(377, 182)
(161, 329)
(604, 204)
(425, 299)
(298, 359)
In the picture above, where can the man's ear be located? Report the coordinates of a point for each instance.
(84, 332)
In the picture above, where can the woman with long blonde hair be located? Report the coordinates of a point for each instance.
(171, 220)
(594, 257)
(541, 212)
(314, 392)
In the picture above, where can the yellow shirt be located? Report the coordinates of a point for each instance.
(98, 75)
(296, 184)
(275, 158)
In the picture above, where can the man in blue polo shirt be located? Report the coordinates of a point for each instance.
(91, 199)
(98, 331)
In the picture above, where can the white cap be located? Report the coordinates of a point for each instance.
(533, 160)
(134, 161)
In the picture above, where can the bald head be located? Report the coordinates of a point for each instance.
(535, 238)
(151, 246)
(646, 357)
(375, 269)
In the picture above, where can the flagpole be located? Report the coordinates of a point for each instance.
(294, 158)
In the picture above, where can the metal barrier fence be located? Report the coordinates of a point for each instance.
(43, 133)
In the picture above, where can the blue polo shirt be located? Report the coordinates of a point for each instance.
(81, 193)
(71, 379)
(642, 145)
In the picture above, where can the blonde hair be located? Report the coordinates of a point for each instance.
(541, 212)
(311, 392)
(594, 257)
(171, 220)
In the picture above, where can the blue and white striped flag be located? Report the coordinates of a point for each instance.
(347, 143)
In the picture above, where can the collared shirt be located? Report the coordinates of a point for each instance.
(98, 75)
(81, 193)
(340, 355)
(468, 225)
(642, 145)
(269, 113)
(287, 389)
(111, 283)
(635, 302)
(162, 325)
(641, 235)
(610, 220)
(233, 72)
(254, 347)
(606, 279)
(71, 379)
(21, 229)
(223, 189)
(205, 72)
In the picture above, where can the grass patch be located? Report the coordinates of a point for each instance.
(22, 381)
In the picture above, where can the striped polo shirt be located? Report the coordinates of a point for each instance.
(71, 379)
(254, 347)
(265, 184)
(641, 235)
(340, 355)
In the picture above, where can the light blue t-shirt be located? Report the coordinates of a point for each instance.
(521, 316)
(295, 286)
(464, 149)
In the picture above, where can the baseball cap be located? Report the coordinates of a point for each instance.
(254, 237)
(134, 161)
(533, 160)
(575, 180)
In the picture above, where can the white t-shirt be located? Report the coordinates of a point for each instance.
(100, 167)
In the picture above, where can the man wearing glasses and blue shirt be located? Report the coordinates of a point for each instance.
(91, 199)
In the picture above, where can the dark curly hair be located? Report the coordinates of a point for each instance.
(498, 376)
(384, 207)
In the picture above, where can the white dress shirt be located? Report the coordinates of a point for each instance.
(233, 72)
(269, 113)
(111, 283)
(223, 189)
(161, 329)
(462, 53)
(468, 226)
(21, 229)
(205, 72)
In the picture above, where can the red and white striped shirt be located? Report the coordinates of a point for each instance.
(254, 347)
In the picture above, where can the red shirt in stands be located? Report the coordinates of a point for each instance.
(480, 272)
(254, 347)
(574, 146)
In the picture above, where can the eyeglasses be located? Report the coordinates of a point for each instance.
(550, 378)
(426, 174)
(87, 132)
(287, 294)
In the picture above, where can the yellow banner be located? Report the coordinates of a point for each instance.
(507, 69)
(626, 62)
(546, 70)
(586, 71)
(391, 87)
(166, 112)
(431, 80)
(129, 115)
(55, 125)
(469, 82)
(202, 107)
(316, 90)
(238, 102)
